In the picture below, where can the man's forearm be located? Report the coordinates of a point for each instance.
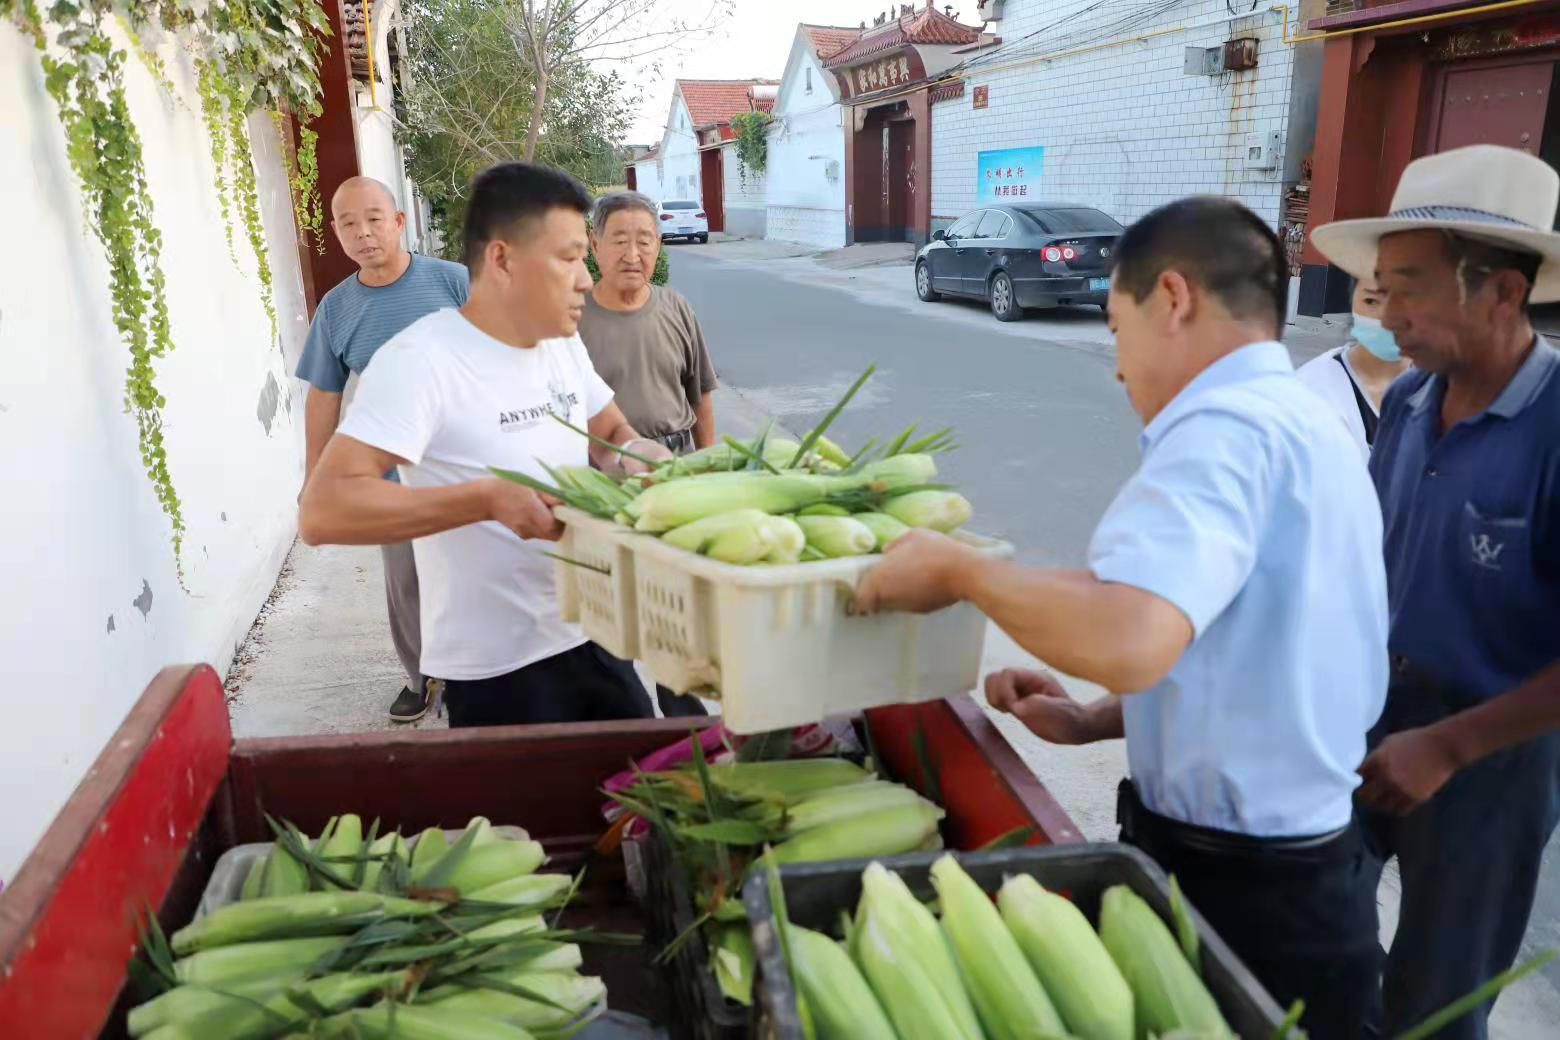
(620, 435)
(369, 510)
(321, 416)
(1069, 619)
(1531, 710)
(1104, 720)
(704, 422)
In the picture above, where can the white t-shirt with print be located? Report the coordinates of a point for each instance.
(452, 401)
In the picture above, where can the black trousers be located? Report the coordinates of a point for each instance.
(1301, 916)
(679, 705)
(585, 684)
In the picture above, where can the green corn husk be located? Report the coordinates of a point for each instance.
(839, 803)
(291, 917)
(344, 843)
(1168, 993)
(250, 960)
(423, 1022)
(741, 536)
(508, 928)
(247, 1020)
(839, 1001)
(186, 1002)
(731, 956)
(483, 865)
(1070, 961)
(837, 536)
(828, 451)
(526, 890)
(906, 961)
(1008, 998)
(481, 828)
(573, 994)
(680, 502)
(787, 538)
(785, 779)
(937, 510)
(430, 847)
(284, 875)
(824, 509)
(886, 831)
(899, 471)
(255, 879)
(385, 848)
(884, 528)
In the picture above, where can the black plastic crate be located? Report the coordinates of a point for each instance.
(815, 893)
(702, 1011)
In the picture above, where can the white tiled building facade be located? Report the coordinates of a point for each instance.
(1124, 127)
(807, 154)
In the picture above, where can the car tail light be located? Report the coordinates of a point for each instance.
(699, 215)
(666, 216)
(1052, 254)
(1068, 253)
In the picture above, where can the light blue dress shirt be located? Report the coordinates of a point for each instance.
(1253, 514)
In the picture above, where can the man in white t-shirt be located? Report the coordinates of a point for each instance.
(465, 389)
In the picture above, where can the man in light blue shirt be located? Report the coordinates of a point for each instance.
(1234, 606)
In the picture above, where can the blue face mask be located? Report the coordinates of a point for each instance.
(1369, 334)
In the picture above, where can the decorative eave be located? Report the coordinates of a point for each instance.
(947, 91)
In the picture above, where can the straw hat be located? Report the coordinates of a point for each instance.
(1498, 195)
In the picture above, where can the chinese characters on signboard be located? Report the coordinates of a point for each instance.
(982, 97)
(877, 75)
(1008, 175)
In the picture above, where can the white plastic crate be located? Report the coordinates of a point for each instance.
(775, 643)
(601, 603)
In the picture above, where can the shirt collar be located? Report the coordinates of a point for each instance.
(1539, 367)
(1252, 361)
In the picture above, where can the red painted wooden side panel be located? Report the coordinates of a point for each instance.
(68, 925)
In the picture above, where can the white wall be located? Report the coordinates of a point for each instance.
(679, 156)
(806, 174)
(647, 179)
(743, 195)
(1124, 128)
(379, 156)
(92, 608)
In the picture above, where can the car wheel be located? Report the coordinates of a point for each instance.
(923, 283)
(1003, 303)
(704, 239)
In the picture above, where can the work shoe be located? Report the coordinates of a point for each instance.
(412, 705)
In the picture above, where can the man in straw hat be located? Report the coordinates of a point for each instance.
(1463, 780)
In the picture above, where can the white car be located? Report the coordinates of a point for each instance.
(684, 219)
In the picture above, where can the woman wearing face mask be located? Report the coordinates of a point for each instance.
(1354, 377)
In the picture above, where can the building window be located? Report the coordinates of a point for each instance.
(809, 80)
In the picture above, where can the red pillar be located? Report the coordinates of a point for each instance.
(338, 157)
(920, 215)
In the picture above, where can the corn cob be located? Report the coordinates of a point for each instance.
(572, 993)
(278, 1015)
(255, 878)
(1069, 960)
(838, 1000)
(430, 846)
(284, 875)
(742, 537)
(1169, 994)
(1009, 999)
(937, 510)
(527, 890)
(189, 1001)
(886, 831)
(787, 538)
(907, 962)
(785, 780)
(838, 803)
(312, 913)
(884, 528)
(413, 1022)
(508, 927)
(479, 866)
(386, 849)
(345, 843)
(250, 960)
(837, 536)
(823, 509)
(731, 953)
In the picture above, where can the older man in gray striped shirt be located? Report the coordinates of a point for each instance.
(392, 289)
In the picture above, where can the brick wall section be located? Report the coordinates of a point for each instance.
(1124, 128)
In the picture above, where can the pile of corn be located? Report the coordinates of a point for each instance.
(373, 936)
(770, 500)
(719, 818)
(1030, 966)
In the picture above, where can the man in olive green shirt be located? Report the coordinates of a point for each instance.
(644, 339)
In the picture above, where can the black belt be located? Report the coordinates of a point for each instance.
(1141, 825)
(679, 443)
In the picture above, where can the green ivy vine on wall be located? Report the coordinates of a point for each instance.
(248, 55)
(752, 135)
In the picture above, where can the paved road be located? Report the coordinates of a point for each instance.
(1046, 433)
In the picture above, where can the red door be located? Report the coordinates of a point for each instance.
(1502, 104)
(712, 181)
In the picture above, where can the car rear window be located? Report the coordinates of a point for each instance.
(679, 205)
(1071, 221)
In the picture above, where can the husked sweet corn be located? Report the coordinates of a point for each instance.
(838, 1000)
(1070, 961)
(1169, 993)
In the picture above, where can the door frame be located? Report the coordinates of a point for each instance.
(1428, 140)
(712, 187)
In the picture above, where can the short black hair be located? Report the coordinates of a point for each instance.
(512, 193)
(1216, 243)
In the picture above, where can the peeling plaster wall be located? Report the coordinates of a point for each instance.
(92, 606)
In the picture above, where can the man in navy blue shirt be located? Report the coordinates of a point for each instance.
(1463, 780)
(392, 289)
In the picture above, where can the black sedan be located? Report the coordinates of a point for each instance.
(1033, 255)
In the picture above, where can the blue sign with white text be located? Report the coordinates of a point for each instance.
(1008, 175)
